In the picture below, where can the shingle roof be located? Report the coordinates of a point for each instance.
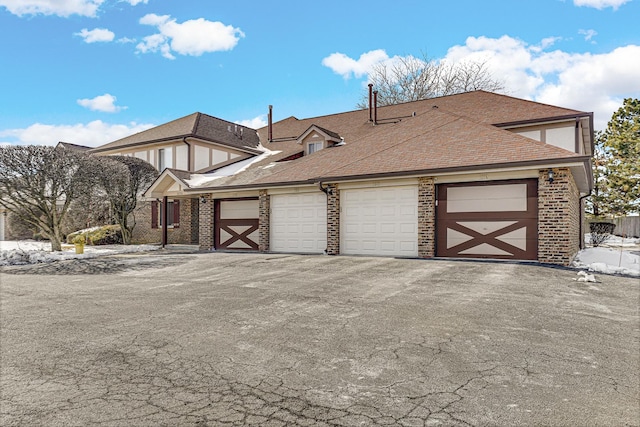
(433, 140)
(196, 125)
(71, 146)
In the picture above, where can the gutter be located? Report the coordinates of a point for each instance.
(422, 172)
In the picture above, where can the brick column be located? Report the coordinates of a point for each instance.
(558, 217)
(205, 216)
(426, 217)
(264, 220)
(333, 220)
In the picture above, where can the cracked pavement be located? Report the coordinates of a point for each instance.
(222, 339)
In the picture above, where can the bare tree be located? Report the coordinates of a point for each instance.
(409, 78)
(38, 184)
(122, 180)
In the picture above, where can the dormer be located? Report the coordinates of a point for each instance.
(316, 138)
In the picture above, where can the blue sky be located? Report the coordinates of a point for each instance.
(92, 71)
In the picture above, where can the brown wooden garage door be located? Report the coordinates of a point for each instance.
(496, 219)
(236, 224)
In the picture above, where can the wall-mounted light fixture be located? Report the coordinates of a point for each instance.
(203, 200)
(550, 176)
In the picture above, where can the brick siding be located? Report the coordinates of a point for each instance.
(558, 217)
(264, 218)
(143, 233)
(205, 217)
(426, 217)
(333, 220)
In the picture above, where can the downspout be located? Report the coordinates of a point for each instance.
(327, 191)
(184, 139)
(165, 215)
(581, 231)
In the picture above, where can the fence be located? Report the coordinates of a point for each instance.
(625, 226)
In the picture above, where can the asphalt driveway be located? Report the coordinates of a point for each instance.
(238, 339)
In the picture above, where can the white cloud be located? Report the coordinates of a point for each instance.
(601, 4)
(583, 81)
(104, 103)
(136, 2)
(62, 8)
(125, 40)
(588, 34)
(255, 123)
(345, 66)
(91, 134)
(96, 35)
(595, 83)
(193, 37)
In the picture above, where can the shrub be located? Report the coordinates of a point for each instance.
(105, 235)
(600, 232)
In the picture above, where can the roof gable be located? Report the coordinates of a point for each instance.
(197, 125)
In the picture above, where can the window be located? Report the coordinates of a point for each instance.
(315, 146)
(165, 158)
(173, 214)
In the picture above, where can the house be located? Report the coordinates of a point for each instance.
(472, 175)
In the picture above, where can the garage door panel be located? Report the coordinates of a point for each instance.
(469, 222)
(380, 221)
(298, 223)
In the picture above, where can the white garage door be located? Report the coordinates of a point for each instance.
(379, 221)
(299, 222)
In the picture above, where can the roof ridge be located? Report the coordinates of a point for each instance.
(196, 122)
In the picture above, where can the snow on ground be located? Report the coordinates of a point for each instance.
(609, 261)
(616, 256)
(32, 252)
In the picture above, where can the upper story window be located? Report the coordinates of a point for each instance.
(315, 146)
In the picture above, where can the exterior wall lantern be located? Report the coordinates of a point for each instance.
(550, 175)
(203, 200)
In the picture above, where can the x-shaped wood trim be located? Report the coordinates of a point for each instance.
(490, 239)
(226, 224)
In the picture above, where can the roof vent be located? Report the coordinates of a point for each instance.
(435, 107)
(413, 114)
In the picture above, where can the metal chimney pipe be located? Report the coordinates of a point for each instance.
(375, 107)
(270, 130)
(370, 101)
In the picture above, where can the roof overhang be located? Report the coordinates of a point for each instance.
(580, 167)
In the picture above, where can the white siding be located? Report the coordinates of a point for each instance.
(562, 137)
(201, 157)
(182, 157)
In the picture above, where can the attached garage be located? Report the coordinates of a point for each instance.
(298, 222)
(488, 220)
(379, 221)
(236, 224)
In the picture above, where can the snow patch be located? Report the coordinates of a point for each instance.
(609, 261)
(201, 180)
(32, 252)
